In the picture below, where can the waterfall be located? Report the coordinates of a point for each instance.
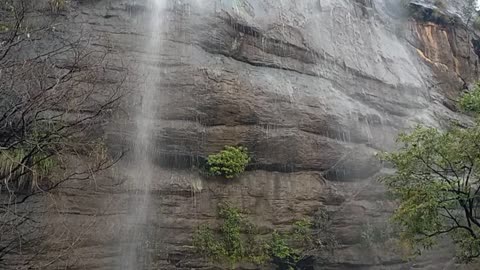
(134, 255)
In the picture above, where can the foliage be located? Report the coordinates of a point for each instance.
(39, 166)
(237, 240)
(30, 161)
(440, 4)
(278, 247)
(52, 100)
(229, 163)
(231, 229)
(4, 27)
(324, 236)
(207, 244)
(470, 102)
(282, 254)
(437, 186)
(228, 245)
(57, 5)
(302, 229)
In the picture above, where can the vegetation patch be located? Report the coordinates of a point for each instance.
(29, 170)
(57, 5)
(232, 241)
(440, 4)
(237, 240)
(470, 102)
(51, 106)
(229, 162)
(4, 27)
(437, 185)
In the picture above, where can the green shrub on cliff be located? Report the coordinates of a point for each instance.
(470, 102)
(229, 162)
(57, 5)
(237, 240)
(232, 242)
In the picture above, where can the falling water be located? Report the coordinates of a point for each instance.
(134, 255)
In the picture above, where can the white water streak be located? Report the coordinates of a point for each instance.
(134, 255)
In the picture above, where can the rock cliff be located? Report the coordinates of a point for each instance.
(313, 88)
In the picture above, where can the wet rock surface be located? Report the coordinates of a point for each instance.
(313, 88)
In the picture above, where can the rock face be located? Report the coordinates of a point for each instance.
(313, 88)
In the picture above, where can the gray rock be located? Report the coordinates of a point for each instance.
(313, 88)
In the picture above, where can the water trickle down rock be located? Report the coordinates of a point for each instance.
(313, 88)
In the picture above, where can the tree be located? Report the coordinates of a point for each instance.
(53, 98)
(437, 185)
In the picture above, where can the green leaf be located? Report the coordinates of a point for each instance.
(229, 162)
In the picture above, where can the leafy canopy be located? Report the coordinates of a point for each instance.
(229, 162)
(437, 184)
